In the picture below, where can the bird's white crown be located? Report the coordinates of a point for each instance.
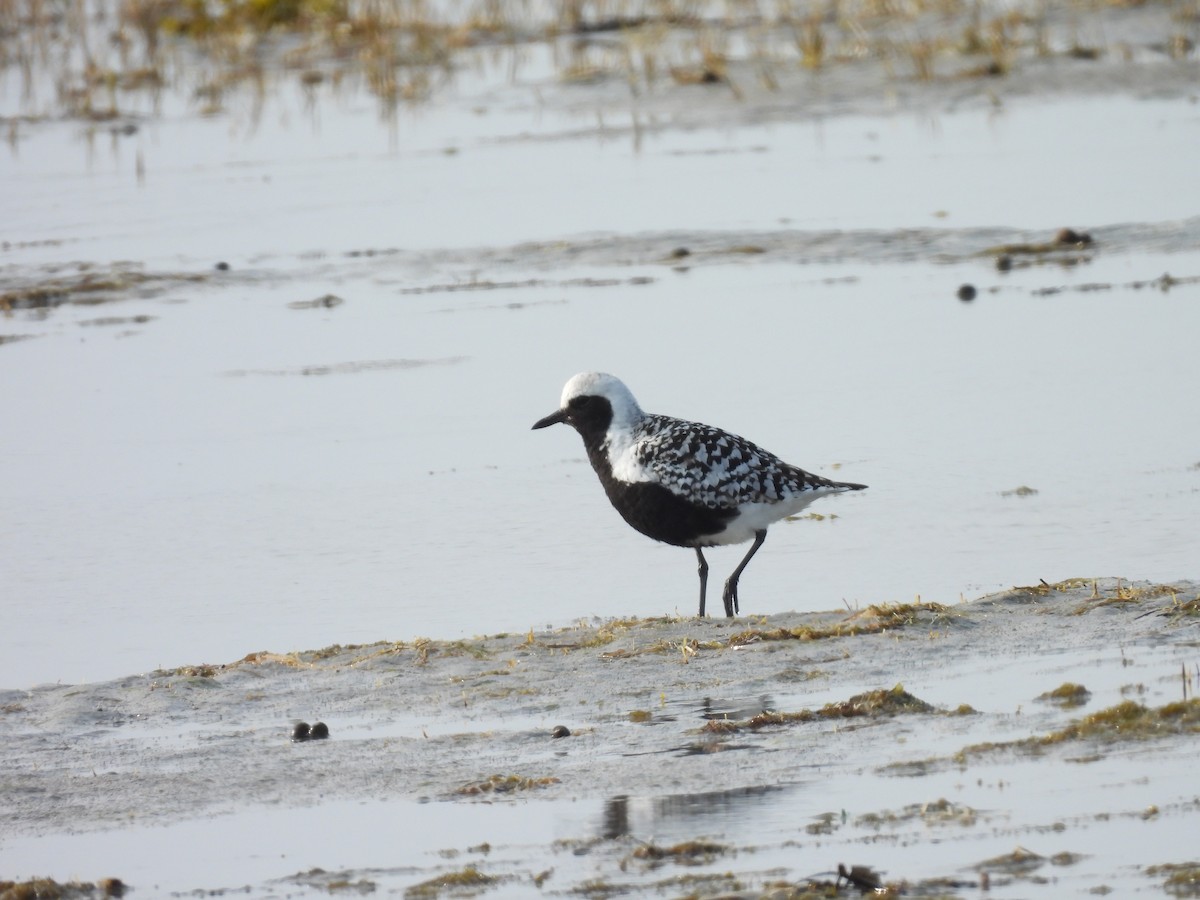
(626, 411)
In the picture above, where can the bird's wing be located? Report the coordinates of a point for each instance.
(714, 468)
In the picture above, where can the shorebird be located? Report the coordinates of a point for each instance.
(683, 483)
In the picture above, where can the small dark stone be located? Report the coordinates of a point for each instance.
(319, 731)
(222, 267)
(966, 292)
(560, 731)
(1004, 262)
(301, 732)
(680, 253)
(1071, 236)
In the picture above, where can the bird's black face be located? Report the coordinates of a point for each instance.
(588, 414)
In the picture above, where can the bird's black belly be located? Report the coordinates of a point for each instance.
(657, 513)
(651, 508)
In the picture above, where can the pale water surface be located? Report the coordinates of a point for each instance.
(182, 494)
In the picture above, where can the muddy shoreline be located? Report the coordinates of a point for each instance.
(464, 722)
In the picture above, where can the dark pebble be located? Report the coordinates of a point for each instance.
(966, 292)
(1004, 262)
(222, 267)
(301, 732)
(560, 731)
(680, 253)
(1071, 236)
(319, 731)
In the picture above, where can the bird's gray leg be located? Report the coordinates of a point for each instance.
(730, 594)
(703, 570)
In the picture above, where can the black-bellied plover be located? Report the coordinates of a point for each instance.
(684, 483)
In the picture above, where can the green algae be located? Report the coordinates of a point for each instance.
(469, 878)
(1130, 721)
(1182, 879)
(504, 784)
(1126, 721)
(1067, 695)
(874, 619)
(896, 701)
(49, 889)
(686, 853)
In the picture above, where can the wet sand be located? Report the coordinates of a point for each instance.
(924, 708)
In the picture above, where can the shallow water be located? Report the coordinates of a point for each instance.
(180, 492)
(456, 177)
(275, 852)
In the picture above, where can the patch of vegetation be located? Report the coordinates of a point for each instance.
(422, 649)
(1182, 879)
(813, 889)
(1127, 593)
(604, 634)
(1045, 589)
(1127, 721)
(1130, 720)
(700, 884)
(467, 878)
(599, 888)
(825, 823)
(1067, 695)
(1018, 863)
(687, 853)
(49, 889)
(795, 674)
(403, 51)
(812, 517)
(504, 784)
(1120, 593)
(640, 715)
(872, 620)
(204, 671)
(895, 615)
(92, 286)
(265, 657)
(339, 649)
(1022, 491)
(463, 648)
(1179, 607)
(939, 812)
(686, 648)
(1066, 858)
(1163, 283)
(896, 701)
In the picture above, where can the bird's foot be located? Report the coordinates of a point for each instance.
(730, 596)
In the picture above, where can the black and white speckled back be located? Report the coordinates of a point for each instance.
(709, 466)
